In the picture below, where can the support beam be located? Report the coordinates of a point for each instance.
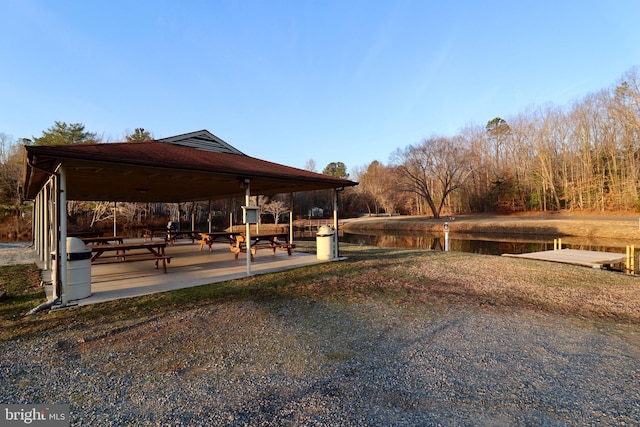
(115, 219)
(335, 223)
(35, 224)
(247, 198)
(54, 234)
(290, 217)
(61, 259)
(46, 225)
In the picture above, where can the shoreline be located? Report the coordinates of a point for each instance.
(625, 228)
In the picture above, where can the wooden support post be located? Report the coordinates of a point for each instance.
(627, 261)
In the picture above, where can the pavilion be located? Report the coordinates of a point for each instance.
(196, 166)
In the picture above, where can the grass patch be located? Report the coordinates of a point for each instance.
(394, 276)
(23, 291)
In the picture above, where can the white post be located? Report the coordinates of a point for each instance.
(258, 223)
(54, 238)
(34, 224)
(115, 220)
(290, 217)
(62, 221)
(247, 232)
(446, 237)
(46, 227)
(35, 229)
(335, 223)
(41, 224)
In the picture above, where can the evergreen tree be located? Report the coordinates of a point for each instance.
(63, 133)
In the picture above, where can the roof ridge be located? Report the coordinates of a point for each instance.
(202, 140)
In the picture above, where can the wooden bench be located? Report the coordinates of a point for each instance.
(261, 241)
(154, 252)
(286, 247)
(208, 238)
(139, 257)
(171, 236)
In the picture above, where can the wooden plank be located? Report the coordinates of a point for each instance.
(593, 259)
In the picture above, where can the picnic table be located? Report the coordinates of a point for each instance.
(172, 235)
(144, 251)
(271, 241)
(209, 238)
(102, 240)
(150, 233)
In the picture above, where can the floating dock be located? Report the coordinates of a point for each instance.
(593, 259)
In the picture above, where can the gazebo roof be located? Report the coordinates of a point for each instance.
(189, 167)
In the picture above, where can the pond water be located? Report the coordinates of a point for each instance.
(490, 245)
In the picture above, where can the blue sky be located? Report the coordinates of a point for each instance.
(288, 81)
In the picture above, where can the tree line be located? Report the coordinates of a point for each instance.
(582, 158)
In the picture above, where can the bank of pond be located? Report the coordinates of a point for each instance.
(490, 245)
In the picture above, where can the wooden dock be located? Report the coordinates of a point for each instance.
(593, 259)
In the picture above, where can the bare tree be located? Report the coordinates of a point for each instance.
(310, 165)
(434, 169)
(275, 208)
(101, 211)
(10, 171)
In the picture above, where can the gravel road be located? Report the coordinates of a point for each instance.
(319, 363)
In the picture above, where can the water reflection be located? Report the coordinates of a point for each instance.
(485, 245)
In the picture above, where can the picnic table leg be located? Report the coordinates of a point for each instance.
(164, 264)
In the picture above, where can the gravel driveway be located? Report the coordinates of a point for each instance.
(303, 362)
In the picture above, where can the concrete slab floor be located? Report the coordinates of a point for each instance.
(188, 267)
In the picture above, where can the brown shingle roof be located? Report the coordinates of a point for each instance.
(162, 172)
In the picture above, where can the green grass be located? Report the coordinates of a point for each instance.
(23, 291)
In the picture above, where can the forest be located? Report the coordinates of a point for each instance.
(584, 157)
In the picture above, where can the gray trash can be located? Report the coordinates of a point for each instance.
(78, 269)
(324, 243)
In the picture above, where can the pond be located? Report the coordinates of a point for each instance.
(491, 245)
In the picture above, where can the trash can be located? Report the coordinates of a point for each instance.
(324, 242)
(78, 269)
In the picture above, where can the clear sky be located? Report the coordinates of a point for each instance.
(287, 81)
